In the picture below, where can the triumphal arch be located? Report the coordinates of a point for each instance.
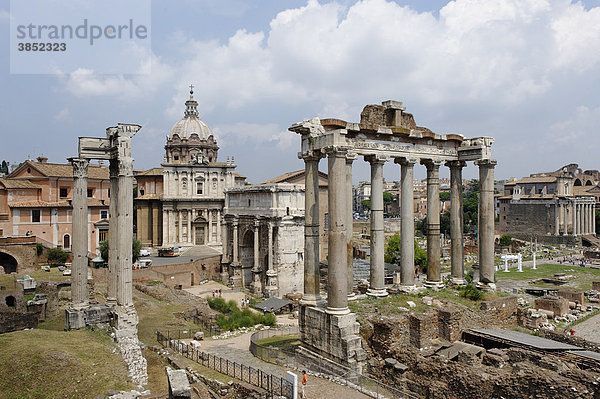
(385, 133)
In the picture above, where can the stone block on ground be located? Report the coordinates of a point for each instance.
(179, 386)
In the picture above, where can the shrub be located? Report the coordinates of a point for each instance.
(505, 240)
(471, 292)
(233, 318)
(221, 306)
(39, 248)
(56, 256)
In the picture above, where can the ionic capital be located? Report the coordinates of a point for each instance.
(308, 156)
(351, 157)
(406, 161)
(456, 164)
(80, 167)
(486, 163)
(336, 151)
(377, 159)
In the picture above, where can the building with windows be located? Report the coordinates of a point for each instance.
(181, 203)
(36, 200)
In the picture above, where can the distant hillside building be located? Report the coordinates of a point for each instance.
(549, 207)
(181, 203)
(36, 199)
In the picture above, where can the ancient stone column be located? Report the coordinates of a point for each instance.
(79, 246)
(312, 278)
(238, 272)
(587, 219)
(113, 234)
(210, 226)
(125, 229)
(556, 218)
(257, 285)
(377, 275)
(486, 223)
(434, 276)
(224, 276)
(350, 157)
(218, 225)
(565, 219)
(337, 285)
(165, 227)
(272, 289)
(179, 226)
(574, 217)
(407, 226)
(456, 222)
(594, 219)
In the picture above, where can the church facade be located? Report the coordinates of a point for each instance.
(181, 203)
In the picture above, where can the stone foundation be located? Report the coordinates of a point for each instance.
(125, 322)
(423, 330)
(95, 314)
(334, 337)
(560, 306)
(572, 296)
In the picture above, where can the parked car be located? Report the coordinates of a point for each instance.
(144, 252)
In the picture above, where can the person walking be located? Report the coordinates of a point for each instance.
(302, 393)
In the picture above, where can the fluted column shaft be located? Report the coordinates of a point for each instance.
(434, 277)
(312, 278)
(574, 217)
(377, 273)
(337, 285)
(79, 290)
(456, 222)
(565, 219)
(113, 234)
(407, 225)
(125, 229)
(486, 222)
(556, 218)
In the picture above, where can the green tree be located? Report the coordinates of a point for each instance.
(136, 246)
(420, 257)
(366, 204)
(393, 252)
(4, 167)
(56, 256)
(444, 196)
(505, 240)
(388, 198)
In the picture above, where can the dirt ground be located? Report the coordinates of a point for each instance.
(205, 290)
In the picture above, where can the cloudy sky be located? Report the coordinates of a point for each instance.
(526, 72)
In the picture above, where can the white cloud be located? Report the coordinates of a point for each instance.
(257, 135)
(4, 15)
(62, 114)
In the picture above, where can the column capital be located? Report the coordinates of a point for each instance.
(376, 158)
(80, 167)
(351, 157)
(336, 151)
(431, 163)
(456, 164)
(311, 155)
(256, 224)
(486, 163)
(126, 166)
(406, 161)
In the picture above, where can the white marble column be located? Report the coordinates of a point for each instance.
(565, 219)
(350, 157)
(337, 275)
(165, 183)
(594, 219)
(312, 278)
(434, 276)
(79, 246)
(574, 217)
(486, 224)
(257, 284)
(125, 228)
(210, 226)
(113, 234)
(218, 236)
(272, 288)
(407, 227)
(238, 274)
(377, 272)
(456, 222)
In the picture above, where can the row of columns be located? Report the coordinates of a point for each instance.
(340, 277)
(173, 222)
(583, 218)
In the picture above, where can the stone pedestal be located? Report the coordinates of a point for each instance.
(271, 290)
(74, 319)
(237, 279)
(334, 337)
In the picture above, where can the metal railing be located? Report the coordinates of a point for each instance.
(289, 358)
(273, 384)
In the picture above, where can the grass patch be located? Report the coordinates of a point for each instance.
(280, 341)
(583, 276)
(52, 364)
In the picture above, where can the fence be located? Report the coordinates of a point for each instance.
(209, 328)
(271, 383)
(290, 358)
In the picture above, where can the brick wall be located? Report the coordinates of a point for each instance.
(503, 308)
(450, 325)
(423, 329)
(572, 296)
(560, 306)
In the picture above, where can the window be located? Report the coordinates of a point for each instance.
(199, 188)
(109, 193)
(103, 236)
(36, 216)
(141, 191)
(176, 157)
(64, 192)
(249, 202)
(103, 214)
(90, 192)
(67, 241)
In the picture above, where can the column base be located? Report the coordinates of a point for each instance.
(488, 287)
(111, 302)
(377, 293)
(458, 281)
(408, 289)
(74, 318)
(352, 297)
(434, 285)
(337, 311)
(312, 300)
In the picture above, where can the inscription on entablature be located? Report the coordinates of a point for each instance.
(398, 147)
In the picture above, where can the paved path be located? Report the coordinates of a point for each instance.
(237, 349)
(589, 329)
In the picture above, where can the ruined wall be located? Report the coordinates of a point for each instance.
(560, 306)
(572, 296)
(185, 274)
(423, 329)
(502, 309)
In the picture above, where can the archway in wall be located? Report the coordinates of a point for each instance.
(589, 183)
(247, 256)
(577, 182)
(8, 262)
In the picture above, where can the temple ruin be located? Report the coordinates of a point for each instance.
(385, 132)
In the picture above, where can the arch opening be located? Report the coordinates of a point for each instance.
(8, 262)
